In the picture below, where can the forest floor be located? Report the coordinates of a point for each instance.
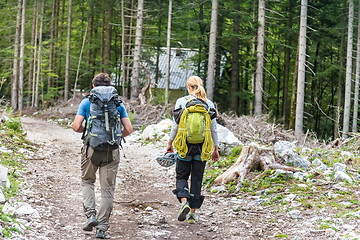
(144, 206)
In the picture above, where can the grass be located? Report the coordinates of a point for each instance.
(281, 235)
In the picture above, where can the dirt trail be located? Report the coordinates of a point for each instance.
(144, 206)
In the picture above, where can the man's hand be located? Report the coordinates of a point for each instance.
(125, 121)
(77, 124)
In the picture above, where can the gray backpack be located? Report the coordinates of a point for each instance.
(103, 130)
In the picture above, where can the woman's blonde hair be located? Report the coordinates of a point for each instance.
(196, 84)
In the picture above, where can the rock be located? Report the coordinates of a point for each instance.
(340, 167)
(302, 185)
(346, 155)
(156, 130)
(2, 197)
(306, 150)
(300, 175)
(25, 209)
(162, 219)
(8, 209)
(5, 150)
(149, 209)
(281, 146)
(346, 204)
(295, 214)
(341, 176)
(338, 187)
(322, 167)
(4, 180)
(289, 197)
(256, 202)
(330, 232)
(218, 189)
(227, 140)
(291, 158)
(316, 162)
(355, 214)
(282, 173)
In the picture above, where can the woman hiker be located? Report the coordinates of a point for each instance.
(191, 158)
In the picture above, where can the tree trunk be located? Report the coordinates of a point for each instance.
(128, 48)
(61, 38)
(357, 72)
(340, 78)
(348, 71)
(168, 55)
(35, 54)
(78, 67)
(51, 50)
(201, 38)
(219, 48)
(251, 158)
(287, 66)
(252, 102)
(210, 83)
(107, 56)
(294, 91)
(278, 87)
(301, 72)
(123, 50)
(158, 51)
(32, 55)
(316, 88)
(22, 49)
(102, 37)
(14, 88)
(234, 103)
(39, 61)
(67, 64)
(56, 37)
(89, 42)
(260, 60)
(137, 51)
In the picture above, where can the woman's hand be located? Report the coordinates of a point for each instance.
(215, 154)
(169, 147)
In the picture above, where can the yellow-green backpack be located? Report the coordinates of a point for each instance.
(194, 122)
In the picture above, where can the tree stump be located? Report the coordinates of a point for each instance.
(252, 157)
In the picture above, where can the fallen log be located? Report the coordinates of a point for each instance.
(252, 157)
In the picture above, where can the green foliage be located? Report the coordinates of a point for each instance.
(12, 139)
(281, 235)
(131, 117)
(14, 124)
(190, 27)
(221, 166)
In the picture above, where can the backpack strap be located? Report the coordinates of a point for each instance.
(84, 132)
(85, 128)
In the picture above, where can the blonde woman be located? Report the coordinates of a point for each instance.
(194, 161)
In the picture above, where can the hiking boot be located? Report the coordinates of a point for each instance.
(184, 210)
(90, 223)
(191, 218)
(101, 234)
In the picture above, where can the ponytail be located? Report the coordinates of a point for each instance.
(198, 90)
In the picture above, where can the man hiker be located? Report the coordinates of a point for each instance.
(106, 159)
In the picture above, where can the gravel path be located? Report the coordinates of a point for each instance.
(144, 206)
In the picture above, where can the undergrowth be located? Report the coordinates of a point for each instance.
(315, 192)
(12, 144)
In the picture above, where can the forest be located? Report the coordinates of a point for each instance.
(295, 62)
